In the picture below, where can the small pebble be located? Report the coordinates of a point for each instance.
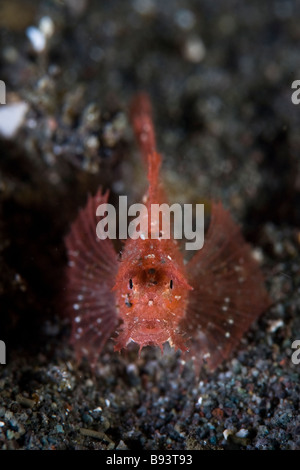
(37, 38)
(11, 118)
(194, 50)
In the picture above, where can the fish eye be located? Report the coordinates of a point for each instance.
(130, 284)
(171, 284)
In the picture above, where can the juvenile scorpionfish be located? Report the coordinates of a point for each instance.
(148, 294)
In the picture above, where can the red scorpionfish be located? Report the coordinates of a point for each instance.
(148, 294)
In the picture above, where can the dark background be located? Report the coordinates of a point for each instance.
(219, 75)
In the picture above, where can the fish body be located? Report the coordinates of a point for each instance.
(151, 290)
(149, 295)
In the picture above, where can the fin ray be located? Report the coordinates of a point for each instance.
(229, 292)
(90, 277)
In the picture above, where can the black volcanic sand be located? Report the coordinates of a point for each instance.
(219, 75)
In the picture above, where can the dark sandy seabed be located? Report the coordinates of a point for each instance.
(219, 75)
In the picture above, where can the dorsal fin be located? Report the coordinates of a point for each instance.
(142, 123)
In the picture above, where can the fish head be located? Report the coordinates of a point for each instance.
(152, 296)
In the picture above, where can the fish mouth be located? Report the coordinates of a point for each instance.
(150, 332)
(152, 326)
